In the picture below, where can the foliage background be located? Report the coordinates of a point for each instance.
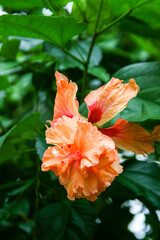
(90, 44)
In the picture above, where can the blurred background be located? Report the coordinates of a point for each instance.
(33, 205)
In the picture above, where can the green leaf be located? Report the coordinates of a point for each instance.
(45, 106)
(41, 146)
(21, 189)
(100, 73)
(9, 67)
(10, 48)
(74, 221)
(29, 44)
(28, 124)
(148, 13)
(16, 92)
(79, 49)
(88, 12)
(58, 4)
(143, 178)
(4, 82)
(121, 6)
(56, 30)
(139, 28)
(22, 4)
(83, 109)
(147, 104)
(24, 129)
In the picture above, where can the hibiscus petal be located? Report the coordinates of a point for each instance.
(65, 101)
(132, 137)
(63, 132)
(53, 159)
(90, 185)
(91, 142)
(84, 159)
(110, 99)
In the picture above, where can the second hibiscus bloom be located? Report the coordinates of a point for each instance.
(84, 156)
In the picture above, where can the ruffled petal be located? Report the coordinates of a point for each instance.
(53, 159)
(110, 99)
(65, 101)
(96, 180)
(63, 132)
(91, 143)
(84, 159)
(132, 137)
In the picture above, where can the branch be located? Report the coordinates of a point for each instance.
(122, 16)
(84, 80)
(114, 22)
(36, 198)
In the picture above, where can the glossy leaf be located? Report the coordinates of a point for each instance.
(16, 4)
(143, 179)
(79, 49)
(100, 73)
(28, 124)
(149, 13)
(52, 29)
(76, 221)
(146, 105)
(26, 128)
(41, 146)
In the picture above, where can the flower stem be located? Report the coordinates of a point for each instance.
(85, 80)
(36, 198)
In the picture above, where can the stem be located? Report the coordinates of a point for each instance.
(85, 80)
(36, 198)
(114, 22)
(122, 16)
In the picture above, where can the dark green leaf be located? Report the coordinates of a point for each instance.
(100, 73)
(88, 11)
(30, 123)
(143, 178)
(45, 106)
(41, 146)
(146, 105)
(10, 48)
(4, 82)
(52, 29)
(22, 4)
(149, 12)
(75, 221)
(21, 189)
(79, 49)
(83, 109)
(26, 128)
(139, 28)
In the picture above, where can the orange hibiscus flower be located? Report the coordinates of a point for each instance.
(84, 156)
(84, 159)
